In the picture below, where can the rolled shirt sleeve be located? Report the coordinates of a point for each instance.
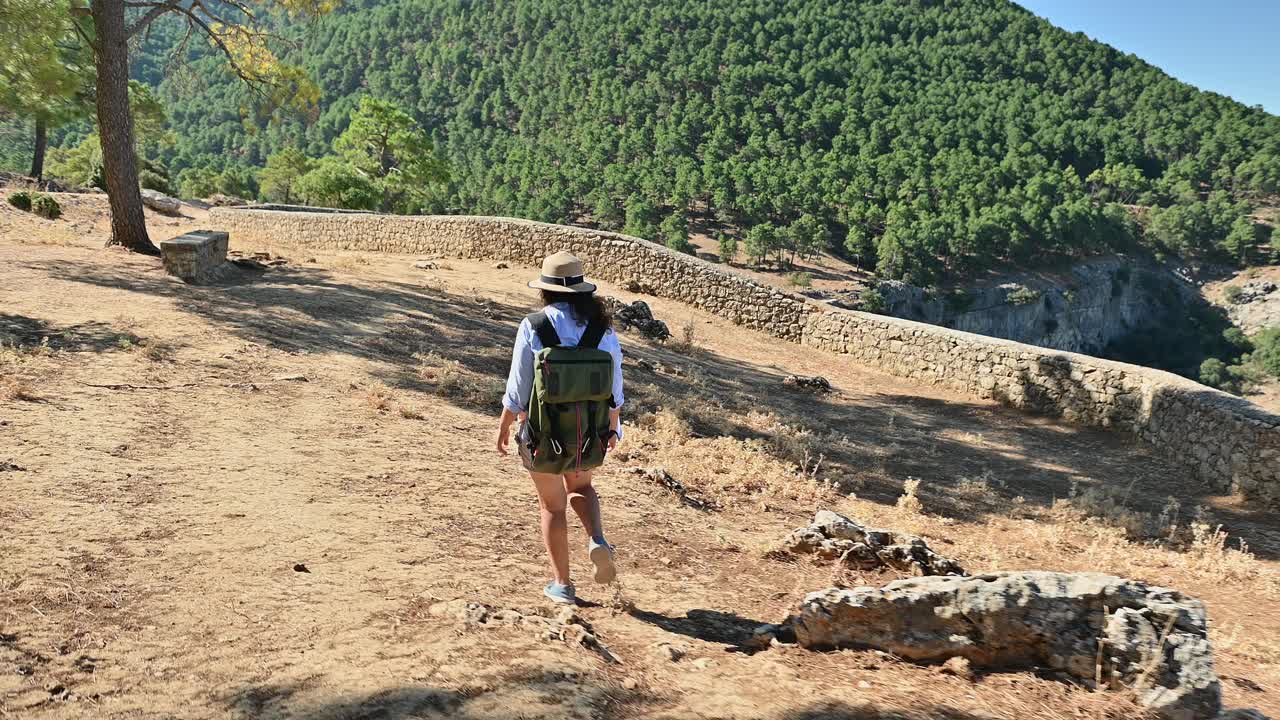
(611, 344)
(520, 379)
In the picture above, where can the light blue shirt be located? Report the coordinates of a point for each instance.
(520, 380)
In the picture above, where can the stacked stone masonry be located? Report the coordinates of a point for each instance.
(197, 257)
(1231, 444)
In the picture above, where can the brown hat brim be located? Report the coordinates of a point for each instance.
(582, 287)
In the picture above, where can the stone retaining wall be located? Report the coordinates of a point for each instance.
(1231, 444)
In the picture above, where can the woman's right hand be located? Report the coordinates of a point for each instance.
(504, 429)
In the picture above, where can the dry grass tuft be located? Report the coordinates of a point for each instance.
(348, 263)
(1099, 532)
(1173, 526)
(155, 351)
(379, 397)
(728, 470)
(453, 380)
(22, 369)
(14, 388)
(410, 412)
(382, 399)
(1110, 505)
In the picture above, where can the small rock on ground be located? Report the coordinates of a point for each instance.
(958, 666)
(816, 383)
(832, 536)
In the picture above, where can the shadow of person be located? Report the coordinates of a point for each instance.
(709, 625)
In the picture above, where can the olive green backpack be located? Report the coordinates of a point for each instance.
(568, 422)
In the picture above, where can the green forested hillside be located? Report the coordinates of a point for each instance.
(923, 137)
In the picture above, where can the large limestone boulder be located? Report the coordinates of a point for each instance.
(832, 536)
(638, 315)
(220, 200)
(1152, 639)
(160, 202)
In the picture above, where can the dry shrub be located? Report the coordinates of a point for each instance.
(688, 336)
(908, 501)
(409, 412)
(1208, 555)
(451, 379)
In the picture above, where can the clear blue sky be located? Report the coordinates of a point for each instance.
(1231, 47)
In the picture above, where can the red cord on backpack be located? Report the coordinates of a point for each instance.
(578, 416)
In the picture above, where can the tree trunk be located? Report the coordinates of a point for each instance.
(42, 140)
(115, 129)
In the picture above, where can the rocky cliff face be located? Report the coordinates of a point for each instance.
(1255, 305)
(1095, 303)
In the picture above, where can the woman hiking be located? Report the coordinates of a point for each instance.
(565, 388)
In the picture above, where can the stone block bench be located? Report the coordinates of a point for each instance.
(198, 257)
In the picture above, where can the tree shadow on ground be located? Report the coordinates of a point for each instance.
(844, 711)
(872, 441)
(423, 702)
(419, 702)
(93, 336)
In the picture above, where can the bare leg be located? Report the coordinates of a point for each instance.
(585, 502)
(555, 530)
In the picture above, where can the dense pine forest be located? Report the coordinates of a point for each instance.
(926, 139)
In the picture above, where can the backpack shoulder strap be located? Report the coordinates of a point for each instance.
(592, 336)
(541, 325)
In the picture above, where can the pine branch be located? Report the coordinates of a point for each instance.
(157, 9)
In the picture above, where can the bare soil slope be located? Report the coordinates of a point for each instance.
(244, 501)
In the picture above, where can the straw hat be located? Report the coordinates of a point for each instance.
(562, 273)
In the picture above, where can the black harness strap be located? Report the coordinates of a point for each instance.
(592, 336)
(547, 334)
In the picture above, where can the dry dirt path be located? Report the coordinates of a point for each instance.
(189, 530)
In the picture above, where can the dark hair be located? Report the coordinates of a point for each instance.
(584, 306)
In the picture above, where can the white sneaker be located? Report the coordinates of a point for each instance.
(602, 558)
